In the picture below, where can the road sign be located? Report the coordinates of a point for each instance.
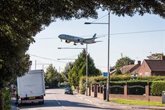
(105, 74)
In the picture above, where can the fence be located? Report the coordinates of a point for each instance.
(134, 92)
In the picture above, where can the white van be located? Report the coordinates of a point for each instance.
(31, 87)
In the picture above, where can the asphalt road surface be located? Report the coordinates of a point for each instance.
(55, 99)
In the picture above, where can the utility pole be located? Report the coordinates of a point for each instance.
(86, 69)
(108, 66)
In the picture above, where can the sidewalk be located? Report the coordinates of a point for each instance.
(116, 106)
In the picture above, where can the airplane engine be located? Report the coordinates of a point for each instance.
(67, 41)
(80, 41)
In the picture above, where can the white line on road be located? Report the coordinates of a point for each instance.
(59, 103)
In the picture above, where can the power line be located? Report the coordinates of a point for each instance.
(99, 18)
(44, 38)
(47, 58)
(138, 32)
(122, 33)
(135, 32)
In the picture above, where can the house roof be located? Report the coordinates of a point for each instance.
(156, 65)
(130, 68)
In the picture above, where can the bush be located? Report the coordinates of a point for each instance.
(120, 78)
(82, 85)
(97, 79)
(7, 98)
(157, 87)
(136, 86)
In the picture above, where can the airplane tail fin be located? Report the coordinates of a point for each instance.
(94, 36)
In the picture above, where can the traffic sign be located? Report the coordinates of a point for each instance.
(105, 74)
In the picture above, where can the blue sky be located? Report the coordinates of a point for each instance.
(137, 46)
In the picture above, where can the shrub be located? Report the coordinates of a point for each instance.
(82, 85)
(120, 78)
(136, 86)
(7, 98)
(157, 87)
(151, 78)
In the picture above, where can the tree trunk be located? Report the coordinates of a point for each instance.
(1, 100)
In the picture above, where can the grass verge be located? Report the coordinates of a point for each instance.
(137, 102)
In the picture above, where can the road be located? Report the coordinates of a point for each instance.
(55, 99)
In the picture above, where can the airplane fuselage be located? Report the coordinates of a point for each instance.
(69, 38)
(75, 39)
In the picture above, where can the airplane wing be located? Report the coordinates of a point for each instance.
(98, 41)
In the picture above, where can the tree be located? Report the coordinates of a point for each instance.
(68, 68)
(14, 61)
(123, 61)
(79, 69)
(156, 56)
(52, 77)
(21, 20)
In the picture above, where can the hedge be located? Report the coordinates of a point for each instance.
(157, 87)
(156, 83)
(82, 85)
(6, 98)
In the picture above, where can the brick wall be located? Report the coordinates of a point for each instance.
(137, 97)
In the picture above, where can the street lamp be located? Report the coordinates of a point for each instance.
(108, 67)
(86, 50)
(42, 64)
(68, 48)
(65, 59)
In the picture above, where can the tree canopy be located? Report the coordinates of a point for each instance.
(79, 69)
(123, 61)
(67, 68)
(156, 56)
(52, 77)
(21, 20)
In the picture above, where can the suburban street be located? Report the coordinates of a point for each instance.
(55, 99)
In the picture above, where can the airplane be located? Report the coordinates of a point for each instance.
(75, 39)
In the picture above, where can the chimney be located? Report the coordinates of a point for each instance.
(162, 57)
(139, 62)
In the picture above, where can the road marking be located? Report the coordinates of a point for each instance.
(59, 103)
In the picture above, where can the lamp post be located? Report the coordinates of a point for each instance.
(86, 86)
(108, 64)
(86, 50)
(65, 59)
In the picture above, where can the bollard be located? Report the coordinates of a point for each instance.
(104, 92)
(163, 97)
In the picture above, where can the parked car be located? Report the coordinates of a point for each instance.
(68, 90)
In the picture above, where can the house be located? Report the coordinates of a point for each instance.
(133, 69)
(152, 67)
